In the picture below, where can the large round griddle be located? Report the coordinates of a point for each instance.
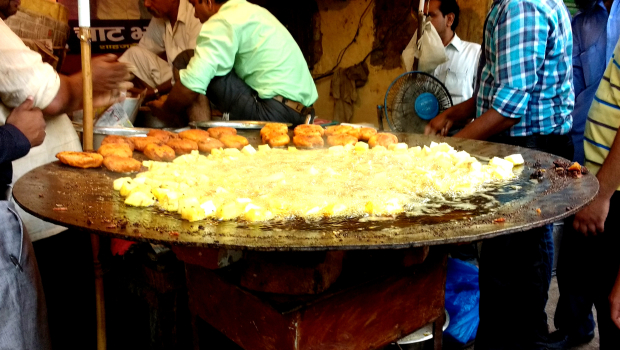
(92, 205)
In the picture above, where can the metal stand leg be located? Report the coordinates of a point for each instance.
(438, 332)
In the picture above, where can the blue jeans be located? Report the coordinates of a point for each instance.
(515, 273)
(587, 270)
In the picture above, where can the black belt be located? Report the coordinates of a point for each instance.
(5, 192)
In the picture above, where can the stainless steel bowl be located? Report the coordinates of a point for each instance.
(100, 132)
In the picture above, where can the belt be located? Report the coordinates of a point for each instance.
(296, 106)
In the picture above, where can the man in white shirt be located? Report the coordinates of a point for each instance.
(459, 72)
(172, 30)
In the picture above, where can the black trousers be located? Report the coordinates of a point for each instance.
(515, 272)
(587, 270)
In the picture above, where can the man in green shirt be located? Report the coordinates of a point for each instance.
(248, 65)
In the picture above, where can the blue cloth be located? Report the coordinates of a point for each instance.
(13, 145)
(527, 70)
(595, 31)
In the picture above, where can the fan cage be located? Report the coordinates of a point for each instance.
(399, 99)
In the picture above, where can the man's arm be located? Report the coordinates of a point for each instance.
(174, 109)
(24, 128)
(456, 115)
(488, 124)
(109, 79)
(614, 302)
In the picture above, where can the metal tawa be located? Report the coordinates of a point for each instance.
(237, 124)
(84, 199)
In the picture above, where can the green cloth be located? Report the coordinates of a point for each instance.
(250, 40)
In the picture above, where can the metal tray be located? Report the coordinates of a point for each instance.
(237, 124)
(114, 130)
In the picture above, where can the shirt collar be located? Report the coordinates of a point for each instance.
(184, 8)
(456, 42)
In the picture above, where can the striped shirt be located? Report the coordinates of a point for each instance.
(527, 70)
(604, 116)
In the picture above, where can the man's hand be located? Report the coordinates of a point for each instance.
(614, 302)
(441, 124)
(29, 121)
(591, 219)
(109, 97)
(108, 73)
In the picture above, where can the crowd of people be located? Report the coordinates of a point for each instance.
(538, 80)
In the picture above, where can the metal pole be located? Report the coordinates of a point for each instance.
(87, 86)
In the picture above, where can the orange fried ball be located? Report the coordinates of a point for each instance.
(160, 153)
(81, 159)
(308, 141)
(117, 139)
(115, 149)
(220, 131)
(141, 142)
(181, 146)
(195, 135)
(163, 135)
(341, 140)
(308, 129)
(278, 140)
(277, 128)
(355, 132)
(382, 139)
(234, 141)
(122, 164)
(367, 133)
(208, 144)
(338, 129)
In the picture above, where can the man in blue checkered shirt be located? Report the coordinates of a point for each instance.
(524, 98)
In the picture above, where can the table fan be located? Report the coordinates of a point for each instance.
(412, 100)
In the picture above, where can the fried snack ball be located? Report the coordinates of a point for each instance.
(115, 149)
(206, 145)
(367, 133)
(163, 135)
(220, 131)
(308, 141)
(82, 160)
(355, 132)
(182, 146)
(277, 128)
(160, 153)
(278, 140)
(338, 129)
(308, 129)
(195, 135)
(141, 142)
(234, 141)
(121, 164)
(341, 140)
(382, 139)
(267, 136)
(118, 139)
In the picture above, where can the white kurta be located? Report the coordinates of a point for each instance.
(23, 74)
(161, 37)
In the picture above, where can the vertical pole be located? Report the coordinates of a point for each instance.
(87, 85)
(421, 19)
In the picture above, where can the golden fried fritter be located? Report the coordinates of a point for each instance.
(308, 141)
(81, 159)
(141, 142)
(195, 135)
(115, 149)
(122, 164)
(382, 139)
(160, 153)
(220, 131)
(234, 141)
(181, 146)
(118, 139)
(208, 144)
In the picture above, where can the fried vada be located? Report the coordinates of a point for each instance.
(122, 164)
(341, 140)
(367, 133)
(163, 135)
(141, 142)
(382, 139)
(234, 141)
(208, 144)
(308, 129)
(117, 139)
(82, 160)
(337, 129)
(182, 146)
(220, 131)
(278, 128)
(278, 140)
(160, 153)
(195, 135)
(308, 141)
(115, 149)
